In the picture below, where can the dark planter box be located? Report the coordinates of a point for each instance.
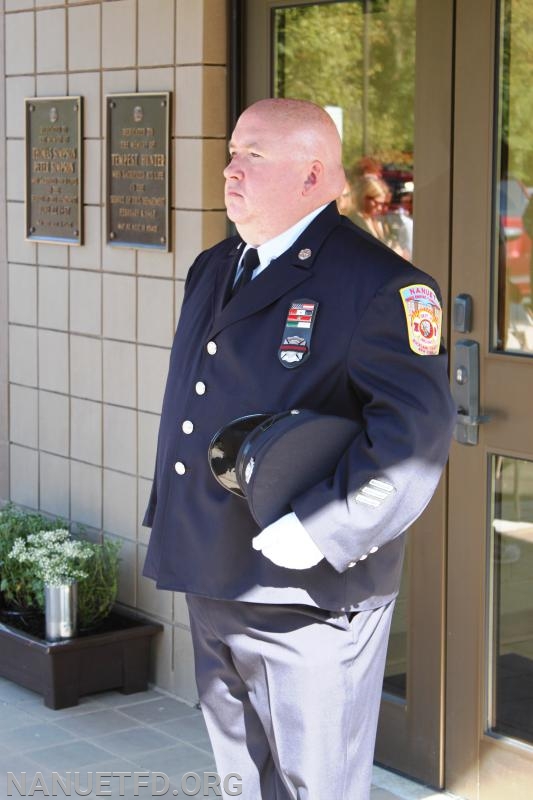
(114, 656)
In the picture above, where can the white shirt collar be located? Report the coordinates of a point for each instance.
(270, 250)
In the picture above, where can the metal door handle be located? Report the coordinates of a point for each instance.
(465, 390)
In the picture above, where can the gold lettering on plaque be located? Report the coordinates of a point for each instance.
(138, 170)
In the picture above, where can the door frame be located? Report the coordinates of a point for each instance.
(411, 732)
(479, 764)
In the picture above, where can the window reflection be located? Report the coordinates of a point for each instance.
(357, 60)
(512, 598)
(514, 211)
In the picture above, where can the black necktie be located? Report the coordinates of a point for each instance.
(249, 262)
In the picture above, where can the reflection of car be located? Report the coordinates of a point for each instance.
(514, 208)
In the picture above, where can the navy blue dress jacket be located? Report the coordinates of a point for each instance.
(225, 364)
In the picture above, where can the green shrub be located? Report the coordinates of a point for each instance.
(20, 584)
(21, 576)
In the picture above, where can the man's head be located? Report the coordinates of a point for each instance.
(286, 160)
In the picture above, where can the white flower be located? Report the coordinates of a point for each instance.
(58, 559)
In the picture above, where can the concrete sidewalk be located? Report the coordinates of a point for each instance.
(139, 735)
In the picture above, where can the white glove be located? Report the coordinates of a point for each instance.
(287, 544)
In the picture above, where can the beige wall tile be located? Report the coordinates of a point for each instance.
(155, 311)
(53, 298)
(54, 489)
(87, 85)
(17, 249)
(200, 163)
(120, 373)
(120, 439)
(156, 32)
(127, 583)
(51, 51)
(119, 307)
(86, 494)
(92, 188)
(161, 658)
(215, 158)
(150, 599)
(54, 421)
(88, 255)
(51, 85)
(189, 31)
(86, 367)
(152, 369)
(118, 51)
(44, 3)
(117, 82)
(18, 5)
(24, 476)
(188, 238)
(15, 170)
(52, 255)
(19, 28)
(84, 37)
(198, 32)
(184, 680)
(86, 430)
(181, 612)
(153, 263)
(188, 155)
(23, 415)
(215, 227)
(120, 504)
(148, 429)
(156, 80)
(85, 302)
(53, 361)
(215, 21)
(17, 89)
(22, 294)
(23, 355)
(143, 493)
(201, 101)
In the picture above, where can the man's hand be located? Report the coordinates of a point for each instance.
(287, 544)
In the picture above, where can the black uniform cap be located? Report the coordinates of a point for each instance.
(269, 459)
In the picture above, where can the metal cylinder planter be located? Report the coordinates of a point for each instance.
(61, 611)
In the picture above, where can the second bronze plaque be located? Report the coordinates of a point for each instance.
(137, 170)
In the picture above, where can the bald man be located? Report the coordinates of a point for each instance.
(300, 310)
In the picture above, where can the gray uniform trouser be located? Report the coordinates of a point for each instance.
(290, 695)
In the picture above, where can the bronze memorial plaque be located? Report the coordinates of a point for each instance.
(54, 170)
(138, 170)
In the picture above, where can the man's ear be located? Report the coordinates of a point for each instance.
(314, 176)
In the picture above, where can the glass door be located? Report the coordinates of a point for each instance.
(382, 69)
(489, 741)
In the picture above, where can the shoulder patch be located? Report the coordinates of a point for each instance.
(424, 318)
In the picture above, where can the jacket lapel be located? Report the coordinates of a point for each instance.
(281, 276)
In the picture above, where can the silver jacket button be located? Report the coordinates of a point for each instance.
(352, 564)
(187, 426)
(200, 387)
(211, 348)
(373, 550)
(180, 467)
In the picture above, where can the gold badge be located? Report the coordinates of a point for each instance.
(305, 253)
(424, 318)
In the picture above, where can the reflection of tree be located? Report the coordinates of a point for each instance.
(320, 56)
(517, 87)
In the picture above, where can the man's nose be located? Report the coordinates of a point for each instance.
(232, 170)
